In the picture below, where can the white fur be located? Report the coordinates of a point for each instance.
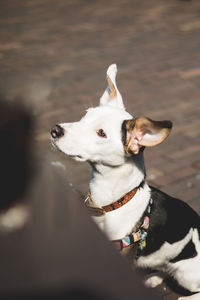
(192, 297)
(188, 271)
(114, 174)
(120, 222)
(153, 280)
(161, 258)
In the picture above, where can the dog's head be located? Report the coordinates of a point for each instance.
(108, 134)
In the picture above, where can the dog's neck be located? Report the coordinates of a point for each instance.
(109, 183)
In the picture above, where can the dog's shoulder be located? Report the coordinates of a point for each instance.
(173, 211)
(170, 220)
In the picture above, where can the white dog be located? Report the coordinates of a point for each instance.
(158, 231)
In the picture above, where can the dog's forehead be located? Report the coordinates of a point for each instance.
(106, 113)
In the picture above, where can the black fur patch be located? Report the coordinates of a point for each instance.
(124, 132)
(170, 221)
(188, 251)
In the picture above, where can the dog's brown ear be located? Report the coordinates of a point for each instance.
(145, 132)
(112, 96)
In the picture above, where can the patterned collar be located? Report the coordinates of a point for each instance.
(139, 236)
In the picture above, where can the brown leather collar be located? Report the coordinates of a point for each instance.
(98, 211)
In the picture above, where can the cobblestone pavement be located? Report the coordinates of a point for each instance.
(54, 55)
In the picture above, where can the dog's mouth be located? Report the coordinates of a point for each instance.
(53, 143)
(77, 157)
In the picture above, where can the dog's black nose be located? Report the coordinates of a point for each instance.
(57, 131)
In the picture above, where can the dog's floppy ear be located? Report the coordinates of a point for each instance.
(112, 96)
(144, 132)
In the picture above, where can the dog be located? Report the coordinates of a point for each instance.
(156, 230)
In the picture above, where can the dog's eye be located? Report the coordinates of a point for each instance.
(101, 133)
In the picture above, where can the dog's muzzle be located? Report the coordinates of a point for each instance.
(57, 131)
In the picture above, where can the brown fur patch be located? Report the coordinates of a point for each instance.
(112, 91)
(129, 126)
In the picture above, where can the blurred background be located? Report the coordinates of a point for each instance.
(53, 60)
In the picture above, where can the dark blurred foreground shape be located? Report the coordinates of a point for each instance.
(15, 138)
(58, 253)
